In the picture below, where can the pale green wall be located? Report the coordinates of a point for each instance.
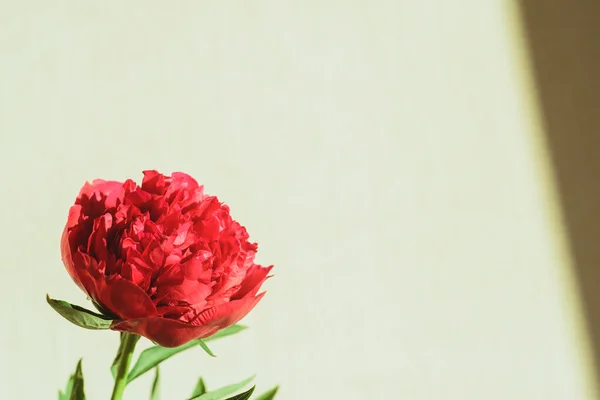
(384, 154)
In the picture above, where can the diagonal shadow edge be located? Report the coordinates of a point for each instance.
(563, 38)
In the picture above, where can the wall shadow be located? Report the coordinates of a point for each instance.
(564, 46)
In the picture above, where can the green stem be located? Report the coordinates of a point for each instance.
(125, 355)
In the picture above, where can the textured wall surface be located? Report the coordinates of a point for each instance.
(382, 153)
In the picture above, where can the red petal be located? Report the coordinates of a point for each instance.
(191, 292)
(97, 241)
(137, 271)
(253, 281)
(138, 198)
(181, 180)
(88, 271)
(171, 275)
(67, 257)
(74, 214)
(127, 299)
(153, 182)
(93, 287)
(166, 332)
(172, 333)
(113, 190)
(229, 313)
(193, 269)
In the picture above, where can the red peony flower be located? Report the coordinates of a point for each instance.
(165, 260)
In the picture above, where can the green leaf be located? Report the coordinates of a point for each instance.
(74, 389)
(199, 389)
(154, 355)
(205, 347)
(243, 396)
(269, 395)
(79, 315)
(78, 393)
(155, 393)
(233, 329)
(68, 390)
(219, 394)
